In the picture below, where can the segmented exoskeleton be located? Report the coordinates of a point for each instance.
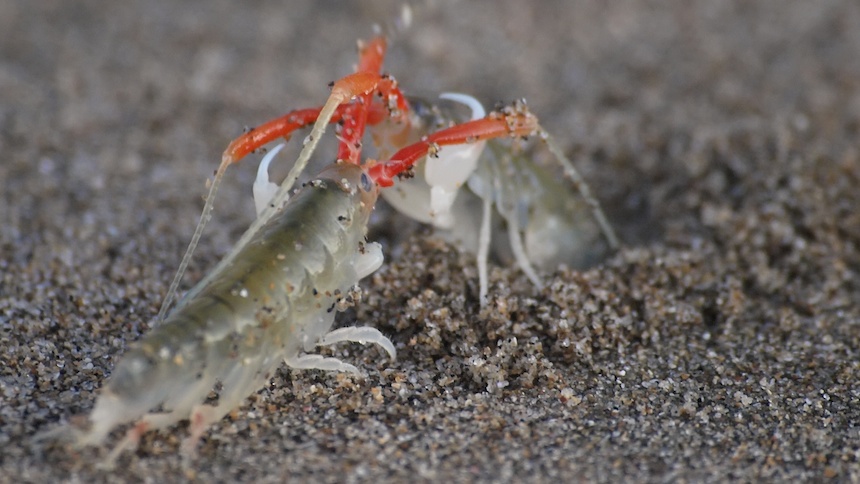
(277, 298)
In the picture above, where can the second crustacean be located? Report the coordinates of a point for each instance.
(547, 221)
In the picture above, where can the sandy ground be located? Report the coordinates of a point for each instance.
(721, 343)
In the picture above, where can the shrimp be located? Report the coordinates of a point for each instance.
(276, 299)
(547, 224)
(273, 298)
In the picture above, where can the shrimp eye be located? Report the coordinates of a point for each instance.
(366, 182)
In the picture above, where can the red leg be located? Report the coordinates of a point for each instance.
(515, 121)
(282, 127)
(351, 130)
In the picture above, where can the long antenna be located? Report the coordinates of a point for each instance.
(582, 187)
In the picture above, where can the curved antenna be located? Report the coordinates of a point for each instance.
(582, 187)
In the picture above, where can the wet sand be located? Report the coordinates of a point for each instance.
(721, 343)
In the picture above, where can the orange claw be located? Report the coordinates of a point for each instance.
(509, 122)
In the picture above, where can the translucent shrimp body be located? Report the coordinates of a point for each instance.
(548, 221)
(543, 214)
(276, 298)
